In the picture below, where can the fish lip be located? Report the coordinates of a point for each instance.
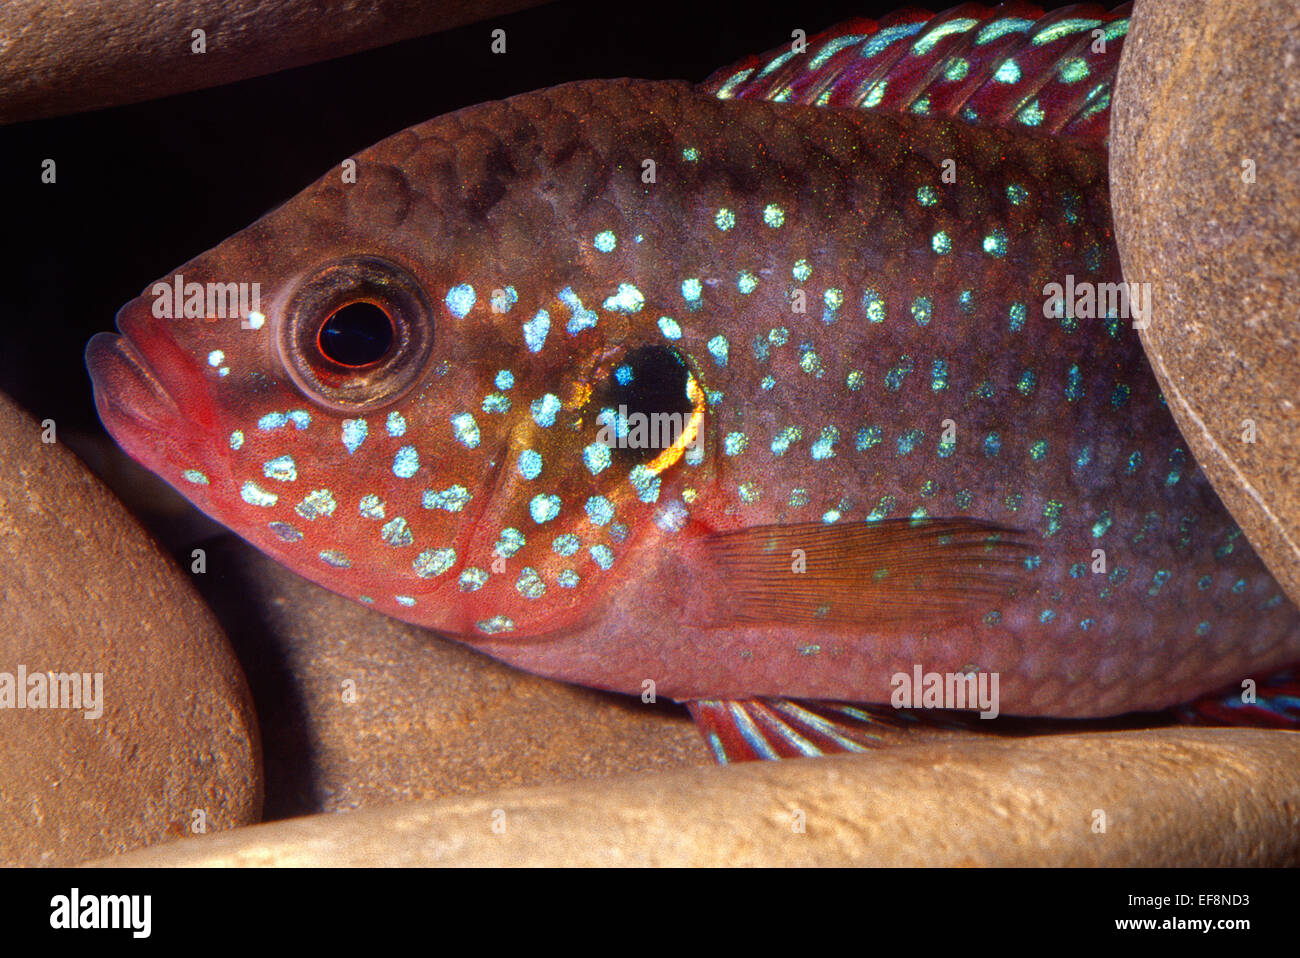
(145, 397)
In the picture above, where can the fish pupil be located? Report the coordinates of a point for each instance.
(357, 334)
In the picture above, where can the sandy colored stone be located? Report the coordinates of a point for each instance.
(83, 589)
(61, 57)
(978, 802)
(429, 717)
(1208, 98)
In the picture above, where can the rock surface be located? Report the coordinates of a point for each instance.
(84, 590)
(981, 801)
(60, 58)
(1205, 145)
(359, 709)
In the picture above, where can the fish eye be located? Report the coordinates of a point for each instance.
(356, 334)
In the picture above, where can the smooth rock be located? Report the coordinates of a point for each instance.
(60, 58)
(1205, 148)
(359, 709)
(1121, 798)
(84, 590)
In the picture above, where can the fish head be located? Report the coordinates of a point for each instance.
(413, 403)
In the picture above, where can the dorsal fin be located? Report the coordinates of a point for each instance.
(1010, 66)
(895, 573)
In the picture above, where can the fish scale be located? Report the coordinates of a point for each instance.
(865, 345)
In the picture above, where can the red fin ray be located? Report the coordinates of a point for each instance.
(1010, 66)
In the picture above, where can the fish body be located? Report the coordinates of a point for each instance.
(888, 448)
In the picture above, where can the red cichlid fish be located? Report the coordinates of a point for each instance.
(756, 390)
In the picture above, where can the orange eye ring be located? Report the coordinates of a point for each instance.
(391, 353)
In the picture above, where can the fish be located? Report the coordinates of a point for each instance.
(797, 395)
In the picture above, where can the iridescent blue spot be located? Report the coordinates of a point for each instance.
(941, 243)
(596, 456)
(568, 579)
(535, 331)
(510, 542)
(735, 443)
(496, 403)
(746, 282)
(724, 219)
(460, 299)
(1017, 315)
(472, 579)
(645, 482)
(505, 379)
(281, 468)
(628, 299)
(335, 558)
(495, 625)
(396, 532)
(284, 532)
(1074, 384)
(992, 444)
(867, 437)
(603, 556)
(452, 499)
(396, 424)
(530, 584)
(353, 433)
(1008, 72)
(465, 429)
(530, 464)
(195, 476)
(907, 441)
(691, 290)
(566, 544)
(599, 510)
(802, 270)
(544, 410)
(781, 444)
(718, 349)
(921, 310)
(317, 503)
(543, 508)
(1017, 194)
(406, 463)
(927, 195)
(580, 317)
(668, 326)
(873, 304)
(605, 241)
(433, 562)
(995, 244)
(824, 446)
(773, 215)
(370, 506)
(938, 375)
(236, 439)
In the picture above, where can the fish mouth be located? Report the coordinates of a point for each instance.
(149, 395)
